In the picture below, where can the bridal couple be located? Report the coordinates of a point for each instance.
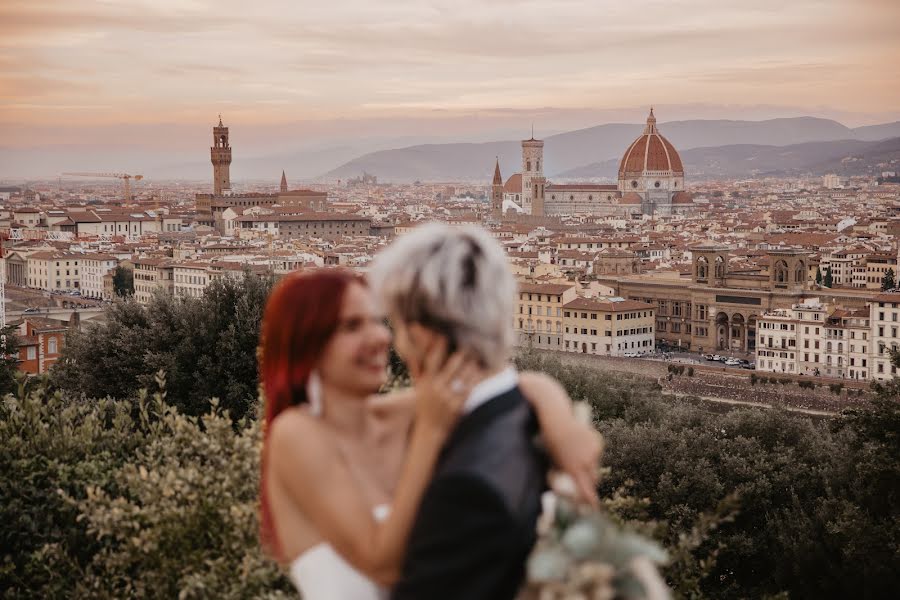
(428, 493)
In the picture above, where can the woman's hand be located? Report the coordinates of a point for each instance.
(574, 446)
(442, 388)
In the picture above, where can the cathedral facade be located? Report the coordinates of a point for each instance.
(650, 182)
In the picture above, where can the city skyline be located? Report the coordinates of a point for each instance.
(412, 69)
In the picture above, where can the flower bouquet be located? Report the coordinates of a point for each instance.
(582, 554)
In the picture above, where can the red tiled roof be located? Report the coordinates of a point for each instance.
(607, 305)
(513, 185)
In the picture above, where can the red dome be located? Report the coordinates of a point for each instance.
(650, 152)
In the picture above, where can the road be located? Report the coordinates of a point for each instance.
(695, 358)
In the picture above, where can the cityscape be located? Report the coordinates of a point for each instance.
(793, 276)
(700, 209)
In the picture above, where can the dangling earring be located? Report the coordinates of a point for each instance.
(314, 393)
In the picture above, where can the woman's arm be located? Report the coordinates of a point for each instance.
(318, 480)
(575, 447)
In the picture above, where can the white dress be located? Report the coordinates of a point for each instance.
(320, 573)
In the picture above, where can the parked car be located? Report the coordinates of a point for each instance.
(31, 311)
(749, 365)
(631, 355)
(709, 357)
(733, 362)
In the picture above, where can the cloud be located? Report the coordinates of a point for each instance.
(180, 60)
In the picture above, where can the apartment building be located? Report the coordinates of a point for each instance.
(608, 326)
(190, 279)
(884, 314)
(151, 274)
(539, 316)
(54, 271)
(93, 269)
(812, 338)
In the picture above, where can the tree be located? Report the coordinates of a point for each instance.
(818, 276)
(206, 346)
(123, 281)
(829, 279)
(9, 359)
(818, 498)
(888, 282)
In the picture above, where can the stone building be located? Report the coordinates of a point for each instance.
(211, 207)
(717, 308)
(650, 182)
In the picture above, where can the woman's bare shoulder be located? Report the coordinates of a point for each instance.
(299, 439)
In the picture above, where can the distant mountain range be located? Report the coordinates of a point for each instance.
(709, 148)
(843, 157)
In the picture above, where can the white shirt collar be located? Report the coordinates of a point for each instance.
(491, 387)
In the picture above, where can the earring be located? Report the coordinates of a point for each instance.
(314, 393)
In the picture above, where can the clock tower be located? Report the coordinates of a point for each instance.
(220, 154)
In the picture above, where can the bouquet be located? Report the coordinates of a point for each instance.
(582, 554)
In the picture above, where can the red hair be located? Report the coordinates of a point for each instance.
(301, 315)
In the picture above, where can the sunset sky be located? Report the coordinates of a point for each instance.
(100, 71)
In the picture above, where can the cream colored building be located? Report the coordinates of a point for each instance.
(608, 326)
(54, 271)
(151, 274)
(93, 268)
(539, 316)
(812, 338)
(190, 279)
(884, 314)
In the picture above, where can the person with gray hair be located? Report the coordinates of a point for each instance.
(450, 289)
(454, 281)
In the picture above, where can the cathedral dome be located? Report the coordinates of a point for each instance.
(650, 153)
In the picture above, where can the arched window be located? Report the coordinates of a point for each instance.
(800, 273)
(702, 268)
(720, 267)
(528, 165)
(781, 272)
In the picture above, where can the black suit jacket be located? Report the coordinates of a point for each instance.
(476, 524)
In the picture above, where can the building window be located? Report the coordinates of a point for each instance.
(31, 353)
(51, 346)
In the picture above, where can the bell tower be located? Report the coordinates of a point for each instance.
(533, 175)
(497, 193)
(220, 154)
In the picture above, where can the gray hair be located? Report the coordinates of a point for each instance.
(455, 280)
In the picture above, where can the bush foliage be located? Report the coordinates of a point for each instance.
(128, 499)
(818, 499)
(107, 492)
(206, 346)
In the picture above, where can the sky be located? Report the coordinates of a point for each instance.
(297, 74)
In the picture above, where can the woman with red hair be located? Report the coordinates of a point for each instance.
(336, 454)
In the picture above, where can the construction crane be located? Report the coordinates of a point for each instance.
(125, 177)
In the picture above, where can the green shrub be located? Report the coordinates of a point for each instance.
(128, 498)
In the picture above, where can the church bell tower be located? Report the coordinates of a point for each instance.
(220, 154)
(497, 193)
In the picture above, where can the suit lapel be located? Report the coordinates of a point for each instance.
(483, 415)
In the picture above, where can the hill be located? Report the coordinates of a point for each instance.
(844, 157)
(567, 151)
